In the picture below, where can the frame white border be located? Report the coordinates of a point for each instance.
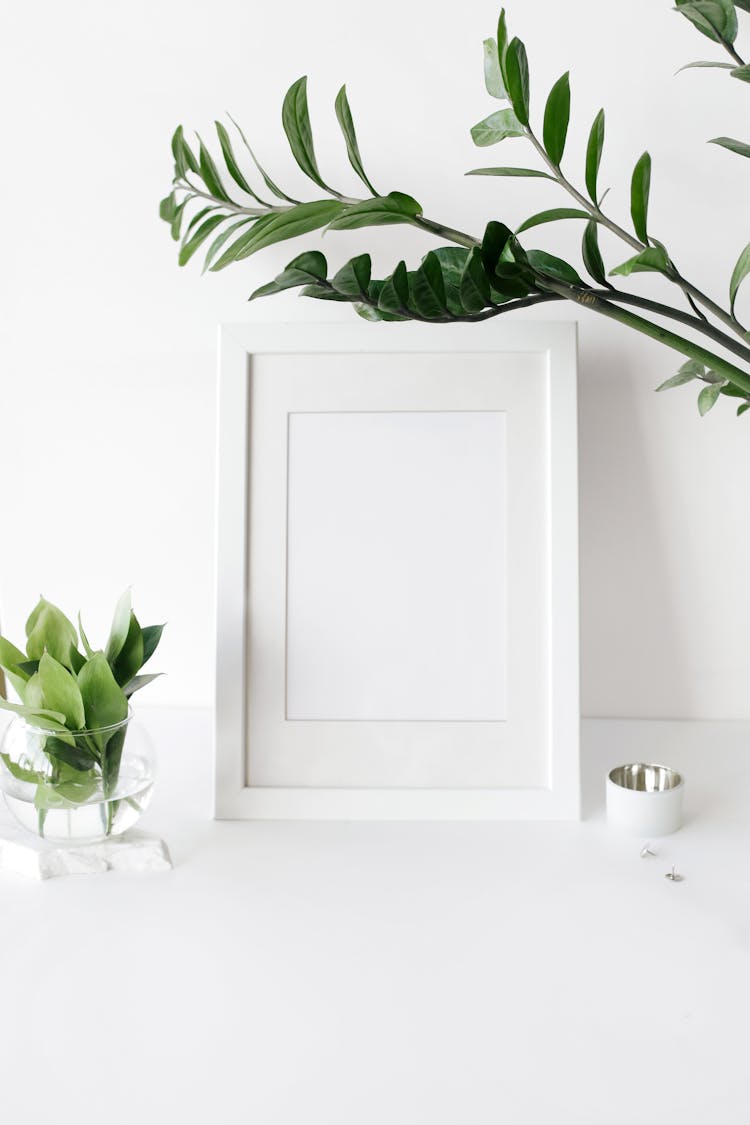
(233, 799)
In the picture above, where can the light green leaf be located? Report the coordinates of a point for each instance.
(301, 219)
(740, 147)
(192, 244)
(61, 692)
(183, 154)
(11, 657)
(120, 626)
(222, 239)
(38, 716)
(103, 699)
(552, 216)
(493, 79)
(139, 682)
(380, 211)
(716, 19)
(517, 79)
(346, 121)
(84, 639)
(639, 193)
(31, 777)
(523, 172)
(708, 65)
(654, 259)
(48, 629)
(708, 397)
(210, 174)
(687, 374)
(557, 118)
(495, 128)
(741, 72)
(740, 272)
(272, 187)
(594, 154)
(592, 258)
(296, 121)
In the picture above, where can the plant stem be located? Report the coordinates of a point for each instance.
(450, 233)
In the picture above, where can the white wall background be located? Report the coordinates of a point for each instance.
(108, 350)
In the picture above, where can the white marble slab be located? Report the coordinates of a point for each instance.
(24, 854)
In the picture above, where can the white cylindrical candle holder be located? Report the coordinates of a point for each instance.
(645, 799)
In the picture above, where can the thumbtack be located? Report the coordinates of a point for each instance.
(646, 850)
(673, 876)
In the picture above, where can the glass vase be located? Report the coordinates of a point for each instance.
(81, 787)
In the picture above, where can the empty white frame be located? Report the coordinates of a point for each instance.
(397, 603)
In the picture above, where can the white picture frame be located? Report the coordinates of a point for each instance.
(268, 764)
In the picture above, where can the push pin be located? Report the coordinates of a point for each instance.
(673, 876)
(646, 851)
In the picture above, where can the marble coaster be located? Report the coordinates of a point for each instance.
(25, 854)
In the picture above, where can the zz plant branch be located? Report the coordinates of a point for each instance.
(472, 278)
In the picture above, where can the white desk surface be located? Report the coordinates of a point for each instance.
(393, 974)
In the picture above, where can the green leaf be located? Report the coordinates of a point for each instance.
(38, 716)
(139, 682)
(428, 289)
(84, 639)
(496, 238)
(717, 19)
(31, 777)
(353, 279)
(394, 295)
(502, 40)
(111, 758)
(48, 629)
(592, 258)
(305, 269)
(594, 154)
(61, 692)
(130, 657)
(741, 72)
(301, 219)
(11, 658)
(232, 166)
(103, 699)
(78, 757)
(168, 207)
(530, 172)
(710, 65)
(296, 121)
(740, 147)
(474, 285)
(380, 211)
(345, 120)
(552, 216)
(452, 260)
(151, 637)
(499, 125)
(639, 192)
(493, 79)
(221, 239)
(740, 272)
(183, 154)
(517, 79)
(120, 626)
(687, 373)
(272, 187)
(550, 266)
(654, 259)
(210, 174)
(197, 240)
(707, 398)
(741, 409)
(556, 119)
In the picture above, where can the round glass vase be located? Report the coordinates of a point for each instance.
(77, 786)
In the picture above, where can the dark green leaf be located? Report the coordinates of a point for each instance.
(151, 637)
(167, 208)
(452, 260)
(474, 286)
(499, 125)
(210, 174)
(322, 292)
(654, 259)
(741, 409)
(301, 219)
(232, 166)
(200, 236)
(592, 258)
(380, 211)
(552, 216)
(740, 147)
(353, 279)
(740, 272)
(707, 398)
(130, 658)
(272, 187)
(517, 79)
(345, 120)
(496, 238)
(427, 288)
(307, 268)
(111, 758)
(717, 19)
(120, 626)
(594, 154)
(61, 692)
(557, 118)
(493, 79)
(79, 757)
(296, 121)
(687, 373)
(221, 240)
(178, 217)
(502, 40)
(394, 295)
(639, 192)
(549, 266)
(27, 668)
(103, 699)
(530, 172)
(183, 154)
